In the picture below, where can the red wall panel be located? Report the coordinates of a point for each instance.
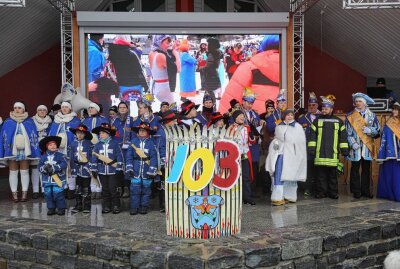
(325, 75)
(36, 82)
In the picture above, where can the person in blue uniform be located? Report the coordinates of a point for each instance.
(123, 124)
(276, 117)
(64, 120)
(389, 155)
(146, 113)
(208, 109)
(81, 155)
(18, 146)
(94, 120)
(306, 120)
(252, 119)
(141, 166)
(42, 122)
(363, 128)
(106, 161)
(53, 165)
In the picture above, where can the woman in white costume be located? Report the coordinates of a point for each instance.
(287, 160)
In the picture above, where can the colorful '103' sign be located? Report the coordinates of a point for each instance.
(183, 166)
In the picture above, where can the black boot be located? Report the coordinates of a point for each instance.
(134, 211)
(106, 209)
(51, 211)
(70, 194)
(143, 210)
(78, 205)
(61, 212)
(87, 200)
(116, 209)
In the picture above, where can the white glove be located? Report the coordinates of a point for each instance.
(366, 130)
(355, 146)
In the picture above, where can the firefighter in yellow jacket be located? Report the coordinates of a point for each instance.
(328, 137)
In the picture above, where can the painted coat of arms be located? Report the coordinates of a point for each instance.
(204, 211)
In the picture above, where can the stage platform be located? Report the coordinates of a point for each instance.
(261, 216)
(321, 233)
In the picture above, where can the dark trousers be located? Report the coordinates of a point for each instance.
(83, 192)
(360, 185)
(258, 181)
(246, 181)
(310, 184)
(54, 199)
(327, 180)
(109, 193)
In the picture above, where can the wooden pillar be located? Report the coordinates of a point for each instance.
(289, 63)
(76, 50)
(184, 6)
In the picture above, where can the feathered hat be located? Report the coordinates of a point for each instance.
(249, 95)
(328, 101)
(281, 96)
(147, 99)
(313, 98)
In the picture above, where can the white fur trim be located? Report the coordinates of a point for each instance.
(42, 107)
(19, 104)
(95, 106)
(66, 104)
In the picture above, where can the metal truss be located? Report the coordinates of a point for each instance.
(297, 9)
(298, 60)
(12, 3)
(66, 7)
(301, 5)
(370, 4)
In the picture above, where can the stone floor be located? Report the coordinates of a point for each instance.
(258, 217)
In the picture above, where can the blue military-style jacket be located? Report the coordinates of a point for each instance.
(57, 128)
(120, 125)
(110, 149)
(273, 120)
(142, 167)
(390, 146)
(152, 120)
(7, 134)
(93, 122)
(306, 120)
(252, 118)
(372, 122)
(78, 166)
(59, 163)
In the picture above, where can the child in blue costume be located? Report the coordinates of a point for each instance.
(141, 166)
(94, 120)
(106, 162)
(64, 120)
(81, 155)
(52, 165)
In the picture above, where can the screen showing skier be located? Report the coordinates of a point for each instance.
(175, 68)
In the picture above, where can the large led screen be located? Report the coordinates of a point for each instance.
(178, 67)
